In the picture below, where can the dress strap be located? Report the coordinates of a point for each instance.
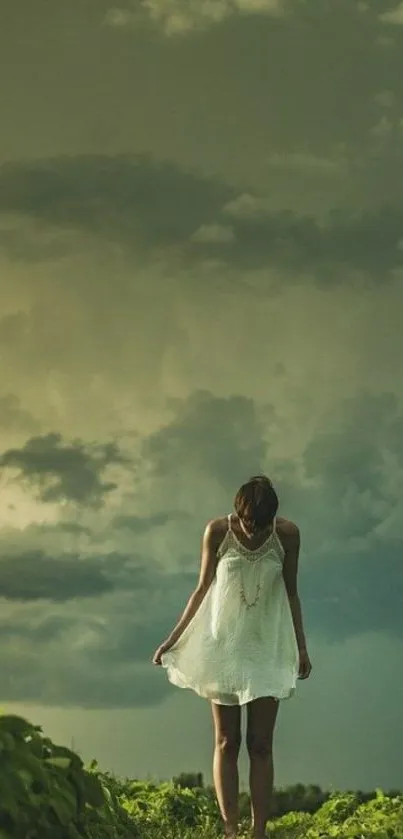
(229, 522)
(274, 524)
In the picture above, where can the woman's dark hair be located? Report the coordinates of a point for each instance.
(256, 502)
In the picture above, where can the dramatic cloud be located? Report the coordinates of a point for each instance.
(57, 652)
(353, 566)
(345, 494)
(152, 209)
(64, 471)
(125, 198)
(346, 501)
(393, 15)
(179, 17)
(221, 438)
(201, 252)
(35, 576)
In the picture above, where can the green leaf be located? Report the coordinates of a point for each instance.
(64, 805)
(60, 762)
(36, 746)
(17, 726)
(93, 791)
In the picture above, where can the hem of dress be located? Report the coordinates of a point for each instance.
(176, 678)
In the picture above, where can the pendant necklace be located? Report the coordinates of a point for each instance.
(257, 595)
(248, 604)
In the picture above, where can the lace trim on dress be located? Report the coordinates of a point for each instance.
(251, 555)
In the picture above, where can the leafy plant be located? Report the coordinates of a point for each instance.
(47, 793)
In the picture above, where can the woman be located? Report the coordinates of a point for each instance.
(240, 640)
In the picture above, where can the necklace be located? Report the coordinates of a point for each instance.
(243, 594)
(250, 605)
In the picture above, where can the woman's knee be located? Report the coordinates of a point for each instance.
(260, 747)
(262, 714)
(227, 726)
(228, 744)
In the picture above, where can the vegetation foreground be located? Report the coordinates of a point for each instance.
(48, 793)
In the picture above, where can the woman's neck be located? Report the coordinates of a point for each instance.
(259, 535)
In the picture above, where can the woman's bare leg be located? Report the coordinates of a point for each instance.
(262, 714)
(227, 725)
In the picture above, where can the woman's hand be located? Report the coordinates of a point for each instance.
(305, 665)
(163, 648)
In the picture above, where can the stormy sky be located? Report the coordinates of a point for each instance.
(201, 263)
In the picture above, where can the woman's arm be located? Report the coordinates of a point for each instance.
(211, 539)
(292, 543)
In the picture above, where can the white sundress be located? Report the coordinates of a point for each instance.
(230, 652)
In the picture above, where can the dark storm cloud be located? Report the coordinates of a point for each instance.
(145, 205)
(77, 684)
(350, 458)
(221, 437)
(133, 634)
(65, 471)
(117, 639)
(131, 199)
(352, 575)
(367, 241)
(350, 572)
(33, 575)
(30, 575)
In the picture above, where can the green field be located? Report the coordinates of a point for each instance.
(46, 792)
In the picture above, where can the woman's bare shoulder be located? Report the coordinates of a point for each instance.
(217, 528)
(287, 528)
